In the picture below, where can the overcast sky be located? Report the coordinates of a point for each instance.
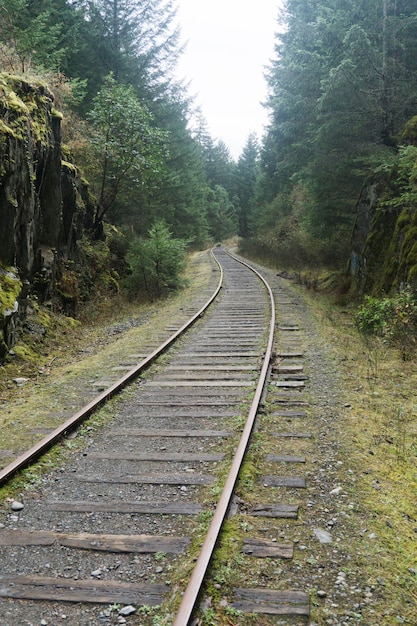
(229, 44)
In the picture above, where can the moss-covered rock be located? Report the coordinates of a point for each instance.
(10, 290)
(47, 214)
(384, 242)
(31, 199)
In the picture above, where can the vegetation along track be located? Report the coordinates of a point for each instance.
(122, 524)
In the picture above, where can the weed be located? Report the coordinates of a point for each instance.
(230, 610)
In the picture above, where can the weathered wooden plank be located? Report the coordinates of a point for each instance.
(288, 400)
(271, 609)
(227, 355)
(178, 457)
(272, 602)
(287, 368)
(193, 402)
(234, 342)
(284, 458)
(273, 595)
(161, 478)
(161, 432)
(70, 590)
(289, 414)
(158, 508)
(289, 376)
(208, 376)
(288, 328)
(188, 393)
(289, 384)
(211, 368)
(262, 548)
(296, 482)
(289, 511)
(200, 383)
(89, 541)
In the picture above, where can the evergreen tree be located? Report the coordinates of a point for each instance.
(247, 176)
(221, 214)
(136, 40)
(39, 33)
(179, 196)
(341, 86)
(156, 262)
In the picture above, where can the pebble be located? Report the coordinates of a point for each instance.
(96, 573)
(322, 535)
(321, 594)
(336, 491)
(17, 506)
(20, 381)
(341, 579)
(127, 610)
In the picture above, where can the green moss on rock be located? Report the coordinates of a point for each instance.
(26, 107)
(10, 287)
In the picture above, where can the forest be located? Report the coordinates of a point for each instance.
(332, 183)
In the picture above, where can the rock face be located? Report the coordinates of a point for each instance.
(43, 203)
(384, 240)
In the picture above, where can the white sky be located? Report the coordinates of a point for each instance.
(230, 42)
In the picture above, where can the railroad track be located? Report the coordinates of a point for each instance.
(137, 517)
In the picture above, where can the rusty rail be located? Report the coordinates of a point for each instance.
(194, 586)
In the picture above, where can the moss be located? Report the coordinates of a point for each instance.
(28, 108)
(69, 166)
(10, 287)
(56, 114)
(25, 352)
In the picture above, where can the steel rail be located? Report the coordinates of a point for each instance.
(98, 401)
(192, 591)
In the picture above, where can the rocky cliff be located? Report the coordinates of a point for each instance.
(384, 241)
(44, 205)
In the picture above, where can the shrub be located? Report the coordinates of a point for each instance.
(393, 319)
(156, 263)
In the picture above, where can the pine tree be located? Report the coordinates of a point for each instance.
(247, 176)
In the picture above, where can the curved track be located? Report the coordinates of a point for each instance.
(144, 486)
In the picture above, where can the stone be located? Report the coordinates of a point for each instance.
(322, 535)
(17, 506)
(20, 381)
(127, 610)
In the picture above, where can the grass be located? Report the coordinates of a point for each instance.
(62, 367)
(378, 441)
